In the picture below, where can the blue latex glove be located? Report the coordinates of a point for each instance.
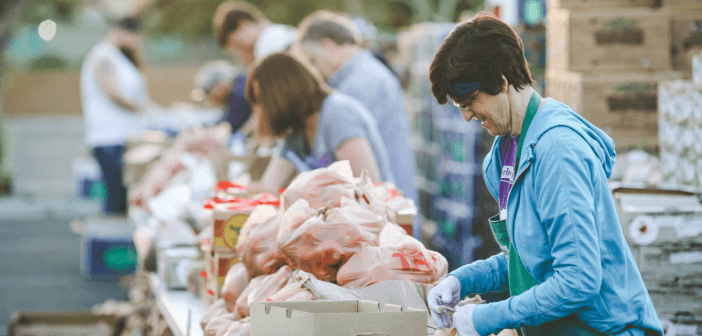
(446, 293)
(463, 320)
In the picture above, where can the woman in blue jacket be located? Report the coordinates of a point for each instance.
(565, 261)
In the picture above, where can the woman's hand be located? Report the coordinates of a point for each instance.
(463, 320)
(446, 293)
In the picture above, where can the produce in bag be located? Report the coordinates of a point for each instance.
(256, 247)
(399, 257)
(321, 243)
(260, 289)
(321, 186)
(395, 237)
(234, 284)
(219, 324)
(373, 198)
(239, 328)
(217, 309)
(295, 290)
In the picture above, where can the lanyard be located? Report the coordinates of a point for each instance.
(534, 103)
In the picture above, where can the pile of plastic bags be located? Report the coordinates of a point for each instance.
(231, 318)
(399, 257)
(330, 227)
(256, 247)
(200, 143)
(320, 242)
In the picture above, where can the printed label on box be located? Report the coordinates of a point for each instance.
(227, 231)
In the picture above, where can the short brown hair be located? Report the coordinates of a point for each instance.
(290, 92)
(229, 16)
(481, 50)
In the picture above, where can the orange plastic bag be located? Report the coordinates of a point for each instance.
(234, 284)
(256, 247)
(320, 244)
(260, 289)
(399, 257)
(374, 198)
(321, 186)
(218, 308)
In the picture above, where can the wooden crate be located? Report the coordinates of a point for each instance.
(670, 268)
(686, 27)
(625, 104)
(629, 39)
(598, 4)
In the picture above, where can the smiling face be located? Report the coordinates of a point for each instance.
(492, 111)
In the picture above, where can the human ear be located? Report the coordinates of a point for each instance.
(505, 84)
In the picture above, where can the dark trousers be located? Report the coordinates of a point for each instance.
(567, 326)
(110, 160)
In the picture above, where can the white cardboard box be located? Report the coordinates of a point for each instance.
(341, 318)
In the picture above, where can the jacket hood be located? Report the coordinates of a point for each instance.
(555, 114)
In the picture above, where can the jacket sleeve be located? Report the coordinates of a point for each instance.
(564, 198)
(483, 276)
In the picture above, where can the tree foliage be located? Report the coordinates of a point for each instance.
(193, 18)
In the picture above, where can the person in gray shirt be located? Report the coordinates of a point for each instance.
(291, 100)
(332, 43)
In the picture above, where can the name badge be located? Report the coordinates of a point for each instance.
(507, 174)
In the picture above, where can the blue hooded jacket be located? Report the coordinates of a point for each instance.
(562, 221)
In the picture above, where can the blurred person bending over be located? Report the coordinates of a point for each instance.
(244, 31)
(290, 100)
(113, 95)
(565, 261)
(331, 43)
(216, 83)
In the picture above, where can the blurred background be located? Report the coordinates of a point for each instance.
(626, 65)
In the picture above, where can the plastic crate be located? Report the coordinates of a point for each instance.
(107, 248)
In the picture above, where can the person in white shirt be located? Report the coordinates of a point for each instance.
(113, 95)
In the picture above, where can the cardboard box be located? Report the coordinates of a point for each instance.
(217, 265)
(686, 27)
(625, 105)
(138, 160)
(227, 225)
(629, 39)
(405, 218)
(342, 318)
(598, 4)
(62, 323)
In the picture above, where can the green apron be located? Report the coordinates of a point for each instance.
(519, 279)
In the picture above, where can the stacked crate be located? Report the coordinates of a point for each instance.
(680, 129)
(449, 154)
(664, 232)
(606, 57)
